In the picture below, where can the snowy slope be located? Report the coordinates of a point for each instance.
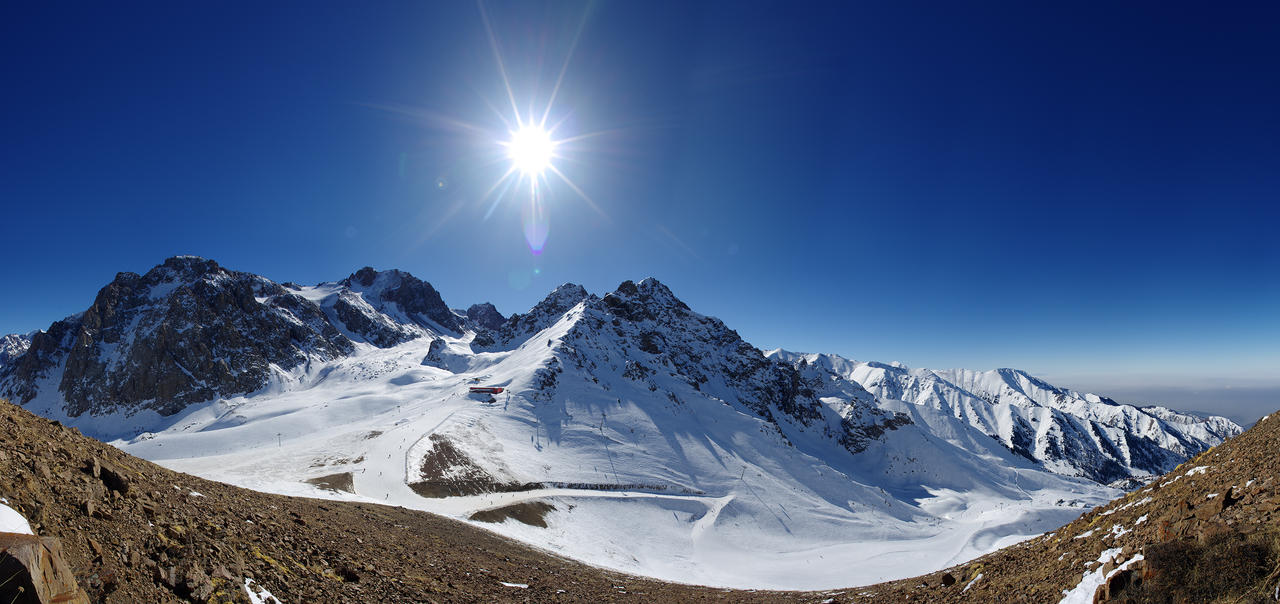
(649, 468)
(1065, 431)
(633, 432)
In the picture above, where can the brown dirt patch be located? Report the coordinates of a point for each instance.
(335, 482)
(532, 513)
(448, 472)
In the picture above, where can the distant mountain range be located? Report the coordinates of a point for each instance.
(1065, 431)
(630, 399)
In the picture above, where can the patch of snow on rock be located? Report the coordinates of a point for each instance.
(1083, 593)
(259, 594)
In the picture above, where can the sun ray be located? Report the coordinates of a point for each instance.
(499, 182)
(586, 136)
(580, 193)
(561, 121)
(427, 117)
(555, 90)
(502, 67)
(498, 112)
(506, 184)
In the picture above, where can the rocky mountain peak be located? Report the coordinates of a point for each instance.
(648, 300)
(485, 315)
(518, 327)
(660, 335)
(186, 331)
(189, 330)
(364, 277)
(186, 268)
(415, 298)
(561, 299)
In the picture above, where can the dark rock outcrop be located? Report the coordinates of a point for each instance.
(485, 315)
(187, 331)
(190, 330)
(413, 298)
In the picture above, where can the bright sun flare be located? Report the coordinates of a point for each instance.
(531, 149)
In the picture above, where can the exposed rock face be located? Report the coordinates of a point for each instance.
(401, 295)
(436, 354)
(386, 308)
(486, 316)
(189, 331)
(18, 378)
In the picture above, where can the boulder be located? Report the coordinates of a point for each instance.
(36, 571)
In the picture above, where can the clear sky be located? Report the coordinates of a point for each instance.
(1087, 192)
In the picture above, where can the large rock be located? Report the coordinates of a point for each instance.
(34, 571)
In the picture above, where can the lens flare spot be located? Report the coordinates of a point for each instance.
(534, 220)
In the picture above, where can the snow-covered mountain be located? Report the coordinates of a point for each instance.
(1065, 431)
(13, 345)
(632, 431)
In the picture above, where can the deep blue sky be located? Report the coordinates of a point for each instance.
(1086, 192)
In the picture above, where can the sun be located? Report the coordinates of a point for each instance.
(531, 149)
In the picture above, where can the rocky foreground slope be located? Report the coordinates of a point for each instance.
(135, 532)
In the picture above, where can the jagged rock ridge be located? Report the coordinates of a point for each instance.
(1065, 431)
